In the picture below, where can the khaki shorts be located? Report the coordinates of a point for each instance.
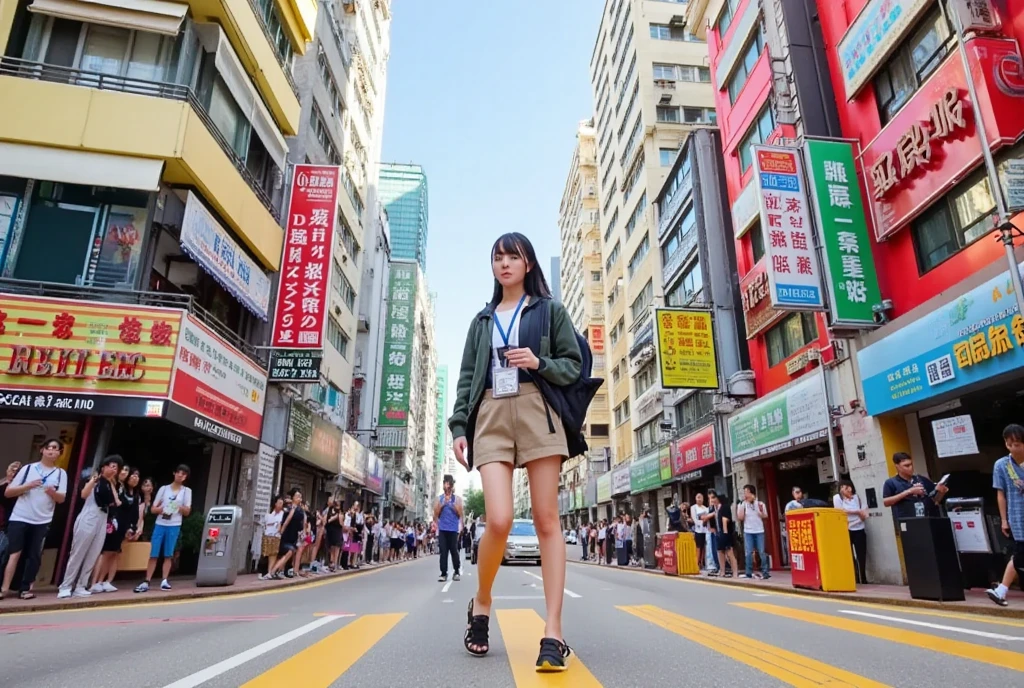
(515, 429)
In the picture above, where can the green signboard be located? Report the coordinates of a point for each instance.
(572, 500)
(645, 473)
(398, 337)
(579, 498)
(842, 227)
(665, 462)
(604, 487)
(794, 416)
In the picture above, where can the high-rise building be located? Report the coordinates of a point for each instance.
(555, 278)
(441, 421)
(651, 87)
(403, 191)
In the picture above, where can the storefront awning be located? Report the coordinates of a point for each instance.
(155, 16)
(79, 167)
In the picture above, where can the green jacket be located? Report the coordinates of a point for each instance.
(560, 360)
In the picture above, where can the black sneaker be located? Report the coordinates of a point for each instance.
(554, 656)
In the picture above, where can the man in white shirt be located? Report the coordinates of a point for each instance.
(39, 487)
(172, 502)
(752, 514)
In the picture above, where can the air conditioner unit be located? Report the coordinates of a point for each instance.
(677, 20)
(337, 309)
(364, 324)
(666, 99)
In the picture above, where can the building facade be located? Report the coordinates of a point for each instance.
(403, 189)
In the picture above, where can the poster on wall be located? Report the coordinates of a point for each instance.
(955, 436)
(686, 349)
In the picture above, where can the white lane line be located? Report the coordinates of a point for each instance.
(568, 592)
(446, 586)
(211, 672)
(941, 627)
(517, 597)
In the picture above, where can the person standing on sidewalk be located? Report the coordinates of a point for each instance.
(752, 514)
(725, 532)
(127, 522)
(171, 504)
(700, 529)
(583, 537)
(911, 495)
(856, 515)
(90, 530)
(6, 505)
(1008, 482)
(448, 517)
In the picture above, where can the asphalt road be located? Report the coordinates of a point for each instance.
(399, 627)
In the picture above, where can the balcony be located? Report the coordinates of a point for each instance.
(75, 109)
(678, 258)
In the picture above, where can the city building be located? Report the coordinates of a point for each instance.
(441, 421)
(403, 191)
(555, 278)
(521, 504)
(651, 88)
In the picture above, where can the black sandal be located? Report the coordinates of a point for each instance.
(477, 632)
(554, 656)
(27, 595)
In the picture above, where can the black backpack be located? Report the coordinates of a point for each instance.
(571, 401)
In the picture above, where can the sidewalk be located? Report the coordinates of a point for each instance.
(183, 588)
(976, 602)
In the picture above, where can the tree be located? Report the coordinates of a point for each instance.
(473, 502)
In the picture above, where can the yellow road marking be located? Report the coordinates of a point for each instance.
(788, 667)
(322, 664)
(521, 631)
(956, 648)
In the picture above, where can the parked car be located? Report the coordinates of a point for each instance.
(570, 537)
(523, 544)
(478, 532)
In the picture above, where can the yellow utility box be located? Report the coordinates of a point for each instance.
(819, 550)
(686, 555)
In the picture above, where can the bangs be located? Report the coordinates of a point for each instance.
(509, 245)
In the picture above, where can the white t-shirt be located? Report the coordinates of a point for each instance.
(503, 318)
(35, 506)
(696, 511)
(752, 521)
(793, 504)
(853, 520)
(172, 502)
(272, 524)
(602, 533)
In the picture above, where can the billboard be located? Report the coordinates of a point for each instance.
(398, 339)
(686, 349)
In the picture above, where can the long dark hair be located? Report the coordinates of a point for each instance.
(534, 285)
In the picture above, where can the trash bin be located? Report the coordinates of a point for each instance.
(667, 545)
(931, 559)
(686, 555)
(820, 557)
(222, 547)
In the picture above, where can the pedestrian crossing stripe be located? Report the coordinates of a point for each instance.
(957, 648)
(789, 667)
(521, 631)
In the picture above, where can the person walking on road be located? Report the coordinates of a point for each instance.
(171, 504)
(1008, 482)
(503, 420)
(752, 514)
(100, 493)
(448, 517)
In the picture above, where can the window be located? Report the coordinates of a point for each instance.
(728, 14)
(612, 257)
(690, 115)
(616, 375)
(608, 198)
(678, 72)
(751, 52)
(616, 332)
(347, 238)
(667, 156)
(687, 289)
(622, 413)
(668, 113)
(638, 172)
(644, 379)
(337, 338)
(318, 125)
(639, 254)
(637, 213)
(343, 287)
(789, 336)
(695, 410)
(611, 225)
(646, 435)
(279, 40)
(629, 110)
(595, 275)
(953, 223)
(228, 117)
(666, 32)
(904, 72)
(599, 430)
(759, 133)
(679, 235)
(639, 306)
(328, 81)
(756, 242)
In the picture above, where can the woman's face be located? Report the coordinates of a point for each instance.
(700, 499)
(147, 485)
(509, 268)
(109, 470)
(133, 479)
(123, 475)
(279, 504)
(846, 491)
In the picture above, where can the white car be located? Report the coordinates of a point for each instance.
(522, 544)
(570, 537)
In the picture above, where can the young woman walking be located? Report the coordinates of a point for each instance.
(501, 421)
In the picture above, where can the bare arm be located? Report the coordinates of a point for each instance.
(741, 514)
(90, 485)
(437, 509)
(458, 506)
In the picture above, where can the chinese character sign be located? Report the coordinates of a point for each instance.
(803, 550)
(849, 266)
(694, 451)
(686, 349)
(794, 279)
(400, 324)
(306, 262)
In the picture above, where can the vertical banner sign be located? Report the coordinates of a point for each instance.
(686, 349)
(306, 262)
(401, 324)
(840, 212)
(794, 278)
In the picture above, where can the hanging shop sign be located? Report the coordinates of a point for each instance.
(694, 451)
(578, 497)
(206, 241)
(604, 488)
(398, 339)
(221, 391)
(758, 312)
(970, 339)
(295, 365)
(353, 459)
(842, 230)
(931, 143)
(620, 479)
(976, 15)
(665, 463)
(794, 278)
(374, 473)
(872, 36)
(590, 492)
(572, 500)
(792, 417)
(313, 439)
(301, 309)
(597, 339)
(686, 349)
(85, 357)
(645, 473)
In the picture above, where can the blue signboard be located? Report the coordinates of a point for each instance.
(974, 338)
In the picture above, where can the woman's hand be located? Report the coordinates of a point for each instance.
(522, 358)
(461, 446)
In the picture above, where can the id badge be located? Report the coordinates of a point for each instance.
(505, 382)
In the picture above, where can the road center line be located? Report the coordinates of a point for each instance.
(222, 667)
(568, 592)
(941, 627)
(446, 586)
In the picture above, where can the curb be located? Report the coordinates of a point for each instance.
(982, 610)
(193, 593)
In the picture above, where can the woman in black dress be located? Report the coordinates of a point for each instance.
(335, 539)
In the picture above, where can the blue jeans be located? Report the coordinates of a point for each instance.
(751, 542)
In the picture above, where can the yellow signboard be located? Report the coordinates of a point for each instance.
(686, 349)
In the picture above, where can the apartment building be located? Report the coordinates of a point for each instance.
(651, 87)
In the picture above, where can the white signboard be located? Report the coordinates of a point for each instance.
(954, 436)
(969, 531)
(1015, 184)
(266, 458)
(977, 15)
(794, 276)
(872, 36)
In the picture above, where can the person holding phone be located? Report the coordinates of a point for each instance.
(171, 504)
(856, 516)
(752, 514)
(910, 495)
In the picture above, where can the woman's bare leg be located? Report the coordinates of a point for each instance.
(544, 474)
(497, 484)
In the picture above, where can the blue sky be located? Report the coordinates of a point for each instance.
(487, 97)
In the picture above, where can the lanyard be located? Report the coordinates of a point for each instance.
(497, 321)
(45, 477)
(1014, 478)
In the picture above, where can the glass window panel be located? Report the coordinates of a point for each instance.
(150, 57)
(104, 49)
(936, 237)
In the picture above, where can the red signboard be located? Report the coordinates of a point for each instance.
(597, 339)
(306, 262)
(803, 551)
(758, 313)
(694, 451)
(931, 144)
(668, 554)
